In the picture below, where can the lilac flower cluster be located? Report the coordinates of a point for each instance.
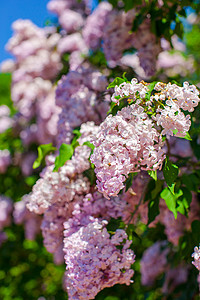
(153, 262)
(5, 119)
(6, 207)
(94, 262)
(196, 256)
(95, 24)
(36, 63)
(125, 143)
(78, 94)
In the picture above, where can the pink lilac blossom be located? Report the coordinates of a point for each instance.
(5, 160)
(171, 119)
(196, 262)
(71, 43)
(148, 46)
(5, 120)
(175, 64)
(7, 66)
(153, 262)
(94, 262)
(132, 60)
(34, 50)
(60, 6)
(116, 36)
(71, 20)
(52, 228)
(30, 220)
(63, 185)
(129, 90)
(94, 205)
(6, 207)
(94, 26)
(125, 143)
(186, 97)
(79, 96)
(196, 256)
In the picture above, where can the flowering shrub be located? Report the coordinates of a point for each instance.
(99, 154)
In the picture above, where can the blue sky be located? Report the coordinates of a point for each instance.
(11, 10)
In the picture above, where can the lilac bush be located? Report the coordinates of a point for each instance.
(100, 153)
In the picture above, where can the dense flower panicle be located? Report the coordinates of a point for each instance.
(94, 26)
(59, 7)
(94, 205)
(171, 118)
(196, 262)
(30, 220)
(36, 98)
(116, 36)
(36, 63)
(129, 90)
(175, 63)
(94, 262)
(5, 160)
(72, 42)
(5, 120)
(125, 143)
(34, 50)
(52, 228)
(148, 46)
(186, 97)
(61, 186)
(7, 66)
(153, 262)
(71, 20)
(78, 94)
(5, 211)
(196, 256)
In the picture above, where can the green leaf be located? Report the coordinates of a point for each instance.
(124, 77)
(43, 150)
(90, 174)
(158, 187)
(90, 145)
(191, 181)
(170, 199)
(129, 180)
(186, 137)
(153, 174)
(186, 198)
(153, 205)
(74, 142)
(65, 153)
(153, 209)
(170, 172)
(117, 81)
(77, 132)
(128, 5)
